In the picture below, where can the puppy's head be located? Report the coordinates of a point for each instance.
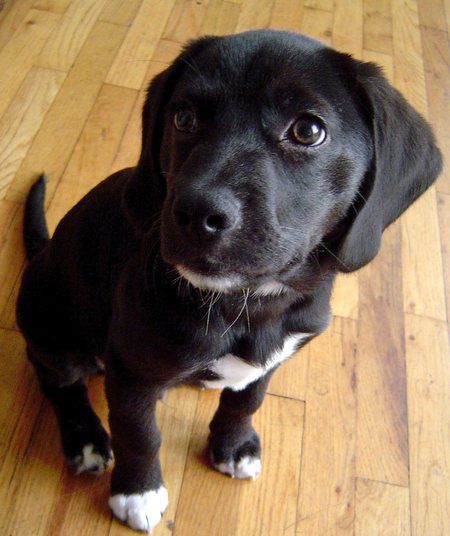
(270, 154)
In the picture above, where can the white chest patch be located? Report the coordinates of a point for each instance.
(236, 374)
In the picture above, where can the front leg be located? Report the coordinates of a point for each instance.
(138, 496)
(234, 444)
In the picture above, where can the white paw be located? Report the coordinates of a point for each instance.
(91, 461)
(141, 511)
(245, 467)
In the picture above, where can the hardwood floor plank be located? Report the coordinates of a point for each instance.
(428, 374)
(423, 283)
(23, 118)
(89, 164)
(69, 112)
(447, 14)
(443, 201)
(381, 509)
(11, 17)
(318, 23)
(7, 211)
(185, 20)
(291, 380)
(251, 18)
(408, 63)
(422, 265)
(326, 502)
(377, 26)
(11, 264)
(132, 60)
(436, 58)
(327, 5)
(348, 27)
(18, 55)
(129, 148)
(120, 12)
(432, 14)
(287, 15)
(96, 148)
(281, 427)
(214, 504)
(345, 297)
(221, 18)
(67, 40)
(382, 427)
(55, 6)
(36, 485)
(13, 369)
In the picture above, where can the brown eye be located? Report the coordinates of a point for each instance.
(185, 120)
(308, 131)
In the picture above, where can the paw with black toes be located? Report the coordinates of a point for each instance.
(88, 451)
(238, 459)
(91, 459)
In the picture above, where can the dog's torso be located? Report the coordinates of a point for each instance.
(179, 334)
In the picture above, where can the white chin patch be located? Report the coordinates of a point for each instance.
(245, 467)
(140, 511)
(206, 282)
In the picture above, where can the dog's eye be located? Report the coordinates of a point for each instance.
(308, 131)
(185, 120)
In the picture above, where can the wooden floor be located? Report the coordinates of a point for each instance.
(356, 427)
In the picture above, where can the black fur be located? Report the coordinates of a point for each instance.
(105, 285)
(35, 232)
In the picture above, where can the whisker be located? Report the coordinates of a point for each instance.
(246, 310)
(212, 302)
(245, 295)
(333, 255)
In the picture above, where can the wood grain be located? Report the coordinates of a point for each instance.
(348, 27)
(428, 364)
(120, 12)
(318, 23)
(355, 428)
(66, 41)
(66, 117)
(251, 18)
(23, 118)
(94, 152)
(131, 62)
(326, 499)
(382, 452)
(436, 56)
(422, 281)
(220, 18)
(381, 509)
(443, 201)
(249, 505)
(377, 34)
(21, 50)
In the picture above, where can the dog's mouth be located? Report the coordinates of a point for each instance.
(231, 281)
(210, 281)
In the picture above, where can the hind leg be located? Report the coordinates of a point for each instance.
(85, 442)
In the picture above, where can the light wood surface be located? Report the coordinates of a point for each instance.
(356, 428)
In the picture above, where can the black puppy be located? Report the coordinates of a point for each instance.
(269, 163)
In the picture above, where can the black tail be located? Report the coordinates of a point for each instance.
(35, 232)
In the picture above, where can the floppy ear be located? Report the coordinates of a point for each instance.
(146, 188)
(406, 162)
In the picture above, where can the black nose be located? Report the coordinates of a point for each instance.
(206, 214)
